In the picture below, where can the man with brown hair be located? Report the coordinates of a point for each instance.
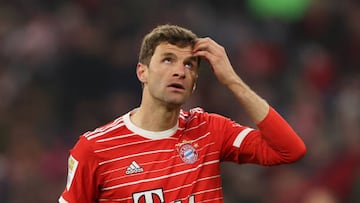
(161, 153)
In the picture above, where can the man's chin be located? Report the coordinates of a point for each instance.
(175, 103)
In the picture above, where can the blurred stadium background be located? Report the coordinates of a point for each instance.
(69, 66)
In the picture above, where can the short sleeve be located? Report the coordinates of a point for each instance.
(81, 185)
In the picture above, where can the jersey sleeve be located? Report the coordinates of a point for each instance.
(273, 143)
(81, 186)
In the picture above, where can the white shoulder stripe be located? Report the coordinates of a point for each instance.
(97, 134)
(104, 128)
(62, 200)
(116, 137)
(241, 136)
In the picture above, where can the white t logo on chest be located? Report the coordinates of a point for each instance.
(150, 194)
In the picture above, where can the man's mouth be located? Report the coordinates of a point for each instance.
(177, 86)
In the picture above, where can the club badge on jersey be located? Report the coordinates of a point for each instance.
(187, 151)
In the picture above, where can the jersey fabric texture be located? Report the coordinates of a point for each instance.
(120, 162)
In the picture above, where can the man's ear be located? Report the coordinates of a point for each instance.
(194, 87)
(141, 72)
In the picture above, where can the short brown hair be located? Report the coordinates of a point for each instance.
(172, 34)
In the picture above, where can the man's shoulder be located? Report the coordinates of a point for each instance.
(192, 113)
(105, 131)
(90, 144)
(200, 115)
(199, 112)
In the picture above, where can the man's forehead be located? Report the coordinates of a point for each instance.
(167, 48)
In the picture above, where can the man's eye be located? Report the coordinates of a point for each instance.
(189, 65)
(167, 60)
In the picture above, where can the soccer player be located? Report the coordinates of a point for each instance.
(161, 153)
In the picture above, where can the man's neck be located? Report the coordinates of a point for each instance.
(155, 118)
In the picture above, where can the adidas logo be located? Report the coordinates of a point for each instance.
(134, 168)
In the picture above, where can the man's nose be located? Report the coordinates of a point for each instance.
(179, 70)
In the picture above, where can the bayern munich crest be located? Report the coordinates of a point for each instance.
(187, 151)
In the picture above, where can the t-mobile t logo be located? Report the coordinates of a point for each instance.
(157, 194)
(148, 195)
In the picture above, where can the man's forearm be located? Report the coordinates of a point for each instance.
(255, 106)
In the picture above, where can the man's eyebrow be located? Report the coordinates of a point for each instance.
(190, 58)
(194, 59)
(168, 54)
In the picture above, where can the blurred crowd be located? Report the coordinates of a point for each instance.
(67, 67)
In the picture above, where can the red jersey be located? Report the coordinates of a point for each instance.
(120, 162)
